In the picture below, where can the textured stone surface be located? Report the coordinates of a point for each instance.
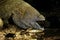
(13, 33)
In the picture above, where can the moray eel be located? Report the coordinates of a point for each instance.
(23, 14)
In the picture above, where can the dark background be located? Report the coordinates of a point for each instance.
(51, 10)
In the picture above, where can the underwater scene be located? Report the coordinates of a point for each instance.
(29, 20)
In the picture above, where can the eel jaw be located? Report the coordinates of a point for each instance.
(36, 26)
(40, 18)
